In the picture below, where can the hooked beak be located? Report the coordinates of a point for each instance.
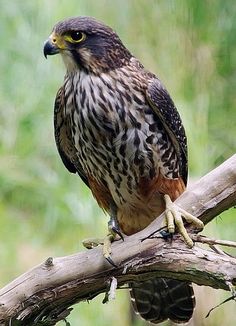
(50, 48)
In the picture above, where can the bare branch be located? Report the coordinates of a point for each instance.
(203, 239)
(47, 290)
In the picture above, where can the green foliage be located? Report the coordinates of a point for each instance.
(45, 211)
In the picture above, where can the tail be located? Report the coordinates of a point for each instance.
(161, 298)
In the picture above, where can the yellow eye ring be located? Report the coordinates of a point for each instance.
(75, 37)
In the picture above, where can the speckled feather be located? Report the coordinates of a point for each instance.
(117, 127)
(121, 143)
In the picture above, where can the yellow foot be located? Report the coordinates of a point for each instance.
(113, 232)
(106, 246)
(174, 216)
(106, 243)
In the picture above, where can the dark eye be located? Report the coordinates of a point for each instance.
(77, 36)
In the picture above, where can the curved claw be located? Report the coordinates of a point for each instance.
(117, 231)
(113, 228)
(110, 261)
(166, 235)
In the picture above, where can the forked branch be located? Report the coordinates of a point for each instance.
(48, 290)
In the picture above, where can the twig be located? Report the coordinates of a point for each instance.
(218, 250)
(203, 239)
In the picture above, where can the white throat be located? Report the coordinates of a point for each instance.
(69, 62)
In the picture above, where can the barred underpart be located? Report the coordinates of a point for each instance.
(159, 299)
(118, 138)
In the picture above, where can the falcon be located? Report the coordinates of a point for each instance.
(117, 127)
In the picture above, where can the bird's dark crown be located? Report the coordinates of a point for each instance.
(86, 43)
(84, 24)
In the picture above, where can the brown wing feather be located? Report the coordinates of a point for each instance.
(63, 138)
(163, 106)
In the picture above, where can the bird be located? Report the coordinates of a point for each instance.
(117, 127)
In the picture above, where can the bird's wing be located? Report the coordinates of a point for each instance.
(163, 106)
(63, 138)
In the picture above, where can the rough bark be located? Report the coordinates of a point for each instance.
(48, 290)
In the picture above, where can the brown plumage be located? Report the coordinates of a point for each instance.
(117, 127)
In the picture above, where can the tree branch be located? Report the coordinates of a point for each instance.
(46, 291)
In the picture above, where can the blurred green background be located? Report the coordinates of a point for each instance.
(45, 211)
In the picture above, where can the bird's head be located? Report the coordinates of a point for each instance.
(88, 44)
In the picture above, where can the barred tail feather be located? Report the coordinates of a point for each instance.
(158, 299)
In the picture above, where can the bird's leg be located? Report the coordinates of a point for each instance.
(113, 231)
(174, 218)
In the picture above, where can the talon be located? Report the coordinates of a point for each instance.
(114, 230)
(151, 236)
(174, 218)
(117, 231)
(113, 227)
(166, 235)
(107, 249)
(110, 261)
